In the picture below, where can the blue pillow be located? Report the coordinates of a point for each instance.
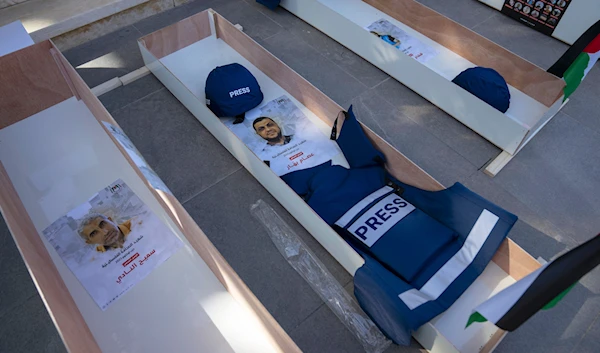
(486, 84)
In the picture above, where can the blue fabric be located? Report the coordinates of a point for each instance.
(356, 146)
(271, 4)
(333, 190)
(486, 84)
(377, 287)
(396, 249)
(414, 249)
(232, 90)
(336, 190)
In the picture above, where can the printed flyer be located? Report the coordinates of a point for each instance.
(410, 46)
(111, 242)
(541, 15)
(282, 136)
(137, 158)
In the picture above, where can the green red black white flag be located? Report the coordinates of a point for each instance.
(578, 60)
(541, 289)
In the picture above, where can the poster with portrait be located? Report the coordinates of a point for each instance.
(111, 242)
(541, 15)
(391, 34)
(281, 135)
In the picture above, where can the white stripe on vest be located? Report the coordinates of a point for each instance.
(378, 219)
(444, 277)
(351, 213)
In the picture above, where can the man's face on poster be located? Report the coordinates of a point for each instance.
(101, 230)
(268, 130)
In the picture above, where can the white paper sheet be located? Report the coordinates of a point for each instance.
(111, 242)
(410, 46)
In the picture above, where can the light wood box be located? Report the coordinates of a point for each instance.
(181, 57)
(536, 96)
(55, 153)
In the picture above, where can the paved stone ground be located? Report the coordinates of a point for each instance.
(552, 185)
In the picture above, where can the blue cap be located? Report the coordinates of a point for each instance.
(487, 85)
(231, 91)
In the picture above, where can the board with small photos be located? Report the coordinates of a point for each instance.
(541, 15)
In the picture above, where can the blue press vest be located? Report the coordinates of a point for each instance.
(422, 249)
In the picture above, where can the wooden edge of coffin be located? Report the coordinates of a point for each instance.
(42, 77)
(510, 257)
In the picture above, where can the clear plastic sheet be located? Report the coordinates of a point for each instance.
(302, 259)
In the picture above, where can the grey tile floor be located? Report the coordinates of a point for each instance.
(552, 185)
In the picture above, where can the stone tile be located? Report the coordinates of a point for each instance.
(16, 285)
(583, 103)
(256, 25)
(353, 64)
(590, 342)
(120, 97)
(555, 175)
(280, 15)
(109, 56)
(223, 213)
(414, 346)
(166, 18)
(181, 151)
(557, 330)
(111, 23)
(414, 141)
(28, 328)
(322, 331)
(521, 40)
(463, 140)
(467, 13)
(308, 62)
(534, 233)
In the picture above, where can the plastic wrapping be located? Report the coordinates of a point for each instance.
(301, 258)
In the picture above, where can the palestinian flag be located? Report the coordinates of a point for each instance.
(578, 60)
(541, 289)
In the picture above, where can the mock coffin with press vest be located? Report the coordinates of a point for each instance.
(422, 249)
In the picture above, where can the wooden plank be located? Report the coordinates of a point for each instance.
(515, 261)
(519, 73)
(324, 107)
(188, 227)
(178, 35)
(494, 341)
(498, 163)
(62, 308)
(30, 75)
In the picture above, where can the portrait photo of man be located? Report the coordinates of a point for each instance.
(102, 231)
(270, 131)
